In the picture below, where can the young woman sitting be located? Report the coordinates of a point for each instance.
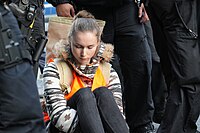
(92, 101)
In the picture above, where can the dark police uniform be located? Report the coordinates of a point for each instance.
(32, 25)
(129, 38)
(20, 110)
(175, 29)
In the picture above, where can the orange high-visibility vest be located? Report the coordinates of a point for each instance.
(77, 83)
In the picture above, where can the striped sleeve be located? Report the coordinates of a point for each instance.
(62, 116)
(115, 87)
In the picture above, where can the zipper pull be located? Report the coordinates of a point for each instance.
(193, 33)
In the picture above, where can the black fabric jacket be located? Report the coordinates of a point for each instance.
(57, 2)
(94, 3)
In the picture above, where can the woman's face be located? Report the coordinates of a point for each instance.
(84, 47)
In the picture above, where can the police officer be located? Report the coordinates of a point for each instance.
(30, 16)
(20, 110)
(174, 24)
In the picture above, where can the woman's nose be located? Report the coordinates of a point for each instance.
(83, 52)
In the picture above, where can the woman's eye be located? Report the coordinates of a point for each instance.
(90, 47)
(77, 46)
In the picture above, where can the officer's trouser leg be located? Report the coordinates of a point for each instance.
(183, 105)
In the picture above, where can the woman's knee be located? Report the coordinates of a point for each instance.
(102, 92)
(85, 94)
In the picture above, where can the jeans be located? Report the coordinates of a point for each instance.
(180, 58)
(97, 111)
(20, 110)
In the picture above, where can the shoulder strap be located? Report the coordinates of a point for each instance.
(105, 68)
(65, 73)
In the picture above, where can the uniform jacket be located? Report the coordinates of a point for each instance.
(38, 22)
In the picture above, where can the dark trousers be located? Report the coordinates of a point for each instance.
(158, 85)
(129, 38)
(180, 58)
(159, 92)
(20, 110)
(198, 20)
(98, 111)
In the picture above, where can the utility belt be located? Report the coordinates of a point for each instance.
(11, 51)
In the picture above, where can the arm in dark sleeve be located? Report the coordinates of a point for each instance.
(57, 2)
